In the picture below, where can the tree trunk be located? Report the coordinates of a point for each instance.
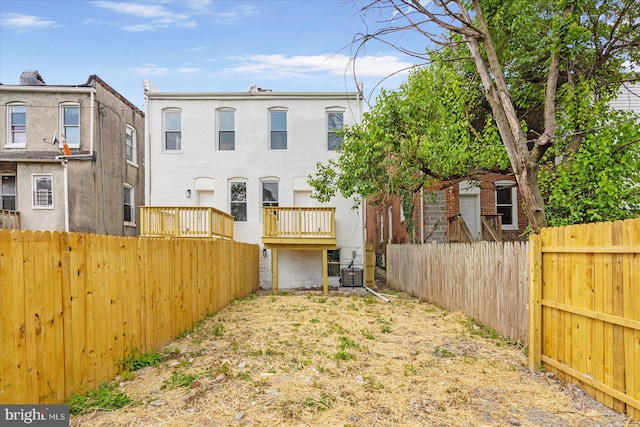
(513, 138)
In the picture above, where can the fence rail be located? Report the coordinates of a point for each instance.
(585, 316)
(185, 221)
(73, 305)
(488, 281)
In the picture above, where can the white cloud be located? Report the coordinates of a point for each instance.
(150, 70)
(189, 70)
(156, 16)
(278, 65)
(235, 14)
(197, 48)
(25, 22)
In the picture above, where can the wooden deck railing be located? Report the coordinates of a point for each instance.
(491, 229)
(298, 222)
(185, 221)
(9, 220)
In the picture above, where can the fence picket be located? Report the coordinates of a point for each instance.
(73, 305)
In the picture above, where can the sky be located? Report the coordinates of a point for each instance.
(198, 45)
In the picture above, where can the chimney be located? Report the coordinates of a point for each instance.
(31, 78)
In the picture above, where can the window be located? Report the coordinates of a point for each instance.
(239, 201)
(335, 121)
(129, 204)
(226, 132)
(505, 204)
(278, 126)
(42, 188)
(17, 125)
(70, 124)
(172, 123)
(333, 262)
(8, 193)
(269, 193)
(130, 144)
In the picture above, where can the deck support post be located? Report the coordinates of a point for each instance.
(325, 272)
(274, 271)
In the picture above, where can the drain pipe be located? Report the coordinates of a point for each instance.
(377, 294)
(65, 160)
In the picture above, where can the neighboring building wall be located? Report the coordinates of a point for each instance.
(201, 173)
(430, 224)
(487, 201)
(95, 184)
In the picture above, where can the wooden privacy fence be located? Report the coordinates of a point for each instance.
(585, 317)
(488, 281)
(72, 305)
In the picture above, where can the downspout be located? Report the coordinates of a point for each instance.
(91, 122)
(66, 194)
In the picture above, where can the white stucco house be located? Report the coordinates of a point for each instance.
(250, 154)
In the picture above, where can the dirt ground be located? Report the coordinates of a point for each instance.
(349, 359)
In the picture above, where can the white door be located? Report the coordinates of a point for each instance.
(470, 210)
(204, 198)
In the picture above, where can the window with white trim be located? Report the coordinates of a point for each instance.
(70, 124)
(278, 129)
(129, 204)
(238, 200)
(17, 125)
(226, 129)
(130, 144)
(42, 190)
(506, 204)
(172, 130)
(335, 121)
(8, 192)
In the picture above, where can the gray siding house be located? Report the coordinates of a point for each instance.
(71, 157)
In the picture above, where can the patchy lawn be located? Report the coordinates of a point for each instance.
(309, 360)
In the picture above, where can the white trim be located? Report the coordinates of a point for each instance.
(134, 142)
(33, 190)
(132, 202)
(163, 138)
(514, 202)
(62, 107)
(286, 129)
(9, 107)
(217, 136)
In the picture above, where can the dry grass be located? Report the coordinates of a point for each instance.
(308, 360)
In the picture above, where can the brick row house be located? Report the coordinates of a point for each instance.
(250, 154)
(488, 197)
(437, 211)
(91, 185)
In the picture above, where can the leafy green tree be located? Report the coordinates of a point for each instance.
(531, 74)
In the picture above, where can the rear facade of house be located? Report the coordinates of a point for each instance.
(250, 154)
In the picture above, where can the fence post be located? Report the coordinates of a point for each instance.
(535, 302)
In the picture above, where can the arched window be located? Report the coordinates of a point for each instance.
(16, 125)
(278, 128)
(172, 129)
(70, 124)
(226, 137)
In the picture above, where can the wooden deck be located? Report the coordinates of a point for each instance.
(298, 228)
(185, 222)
